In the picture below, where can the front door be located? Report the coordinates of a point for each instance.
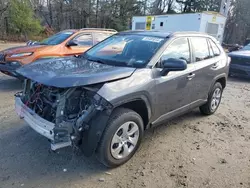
(174, 90)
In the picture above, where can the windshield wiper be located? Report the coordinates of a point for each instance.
(105, 62)
(42, 43)
(96, 60)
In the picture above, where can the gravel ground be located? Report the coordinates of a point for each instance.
(190, 151)
(4, 45)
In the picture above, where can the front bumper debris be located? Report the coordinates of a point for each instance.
(40, 125)
(66, 124)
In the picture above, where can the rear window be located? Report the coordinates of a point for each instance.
(214, 47)
(200, 46)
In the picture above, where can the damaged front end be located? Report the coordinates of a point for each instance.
(74, 116)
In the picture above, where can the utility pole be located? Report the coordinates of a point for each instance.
(224, 9)
(145, 7)
(225, 6)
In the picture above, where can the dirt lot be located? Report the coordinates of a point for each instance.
(3, 45)
(191, 151)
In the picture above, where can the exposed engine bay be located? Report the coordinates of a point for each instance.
(44, 101)
(70, 109)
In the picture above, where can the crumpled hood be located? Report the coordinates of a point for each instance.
(240, 53)
(23, 49)
(72, 72)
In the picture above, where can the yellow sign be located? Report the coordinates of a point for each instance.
(214, 18)
(149, 22)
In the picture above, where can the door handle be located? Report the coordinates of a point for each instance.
(190, 76)
(215, 66)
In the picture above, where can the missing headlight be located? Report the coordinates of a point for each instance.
(58, 104)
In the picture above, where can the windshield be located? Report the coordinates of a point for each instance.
(247, 47)
(57, 38)
(125, 50)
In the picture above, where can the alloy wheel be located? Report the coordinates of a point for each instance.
(124, 140)
(216, 99)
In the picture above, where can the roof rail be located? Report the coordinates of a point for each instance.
(102, 29)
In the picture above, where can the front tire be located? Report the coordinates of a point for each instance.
(214, 99)
(121, 137)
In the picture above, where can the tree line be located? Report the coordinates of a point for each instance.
(27, 18)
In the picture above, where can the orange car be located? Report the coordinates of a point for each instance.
(64, 43)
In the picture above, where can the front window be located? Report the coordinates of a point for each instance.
(179, 49)
(126, 50)
(98, 37)
(57, 38)
(83, 40)
(247, 47)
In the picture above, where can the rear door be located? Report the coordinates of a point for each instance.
(206, 59)
(84, 41)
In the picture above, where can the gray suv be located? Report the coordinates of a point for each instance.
(104, 100)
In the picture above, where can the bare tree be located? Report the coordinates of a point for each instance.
(117, 14)
(162, 6)
(238, 24)
(3, 6)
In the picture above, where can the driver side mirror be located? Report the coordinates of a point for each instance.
(173, 64)
(71, 43)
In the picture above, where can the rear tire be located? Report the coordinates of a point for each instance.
(121, 137)
(214, 99)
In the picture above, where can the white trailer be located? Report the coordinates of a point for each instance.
(212, 23)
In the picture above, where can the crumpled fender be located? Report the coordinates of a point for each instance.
(92, 136)
(90, 126)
